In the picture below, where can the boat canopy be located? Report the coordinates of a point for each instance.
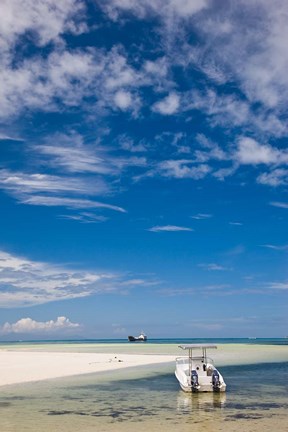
(199, 346)
(191, 347)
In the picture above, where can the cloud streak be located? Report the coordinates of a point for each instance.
(24, 282)
(212, 267)
(276, 247)
(169, 228)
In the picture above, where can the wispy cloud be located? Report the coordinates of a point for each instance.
(164, 9)
(220, 289)
(276, 177)
(226, 290)
(201, 216)
(52, 190)
(169, 228)
(212, 267)
(10, 137)
(23, 184)
(278, 286)
(72, 203)
(276, 247)
(182, 168)
(28, 325)
(24, 282)
(279, 204)
(69, 152)
(85, 217)
(236, 223)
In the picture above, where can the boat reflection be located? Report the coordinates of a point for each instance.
(187, 402)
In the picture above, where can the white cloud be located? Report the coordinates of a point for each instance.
(279, 204)
(220, 289)
(85, 217)
(24, 282)
(201, 216)
(71, 203)
(66, 77)
(212, 267)
(186, 8)
(123, 99)
(169, 228)
(222, 110)
(209, 150)
(181, 169)
(62, 79)
(71, 153)
(276, 247)
(6, 137)
(274, 178)
(243, 45)
(128, 144)
(23, 184)
(222, 173)
(251, 152)
(48, 20)
(28, 325)
(165, 9)
(282, 286)
(52, 190)
(167, 106)
(247, 42)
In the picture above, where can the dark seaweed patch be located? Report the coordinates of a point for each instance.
(255, 406)
(20, 398)
(131, 414)
(5, 404)
(244, 416)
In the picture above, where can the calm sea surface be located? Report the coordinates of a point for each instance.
(149, 399)
(266, 341)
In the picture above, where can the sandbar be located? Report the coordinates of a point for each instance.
(34, 363)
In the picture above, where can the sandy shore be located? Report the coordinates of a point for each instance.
(27, 365)
(20, 367)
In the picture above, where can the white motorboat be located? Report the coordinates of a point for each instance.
(197, 373)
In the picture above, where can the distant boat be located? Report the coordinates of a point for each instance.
(141, 338)
(197, 373)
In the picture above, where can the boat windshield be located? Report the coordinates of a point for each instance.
(195, 359)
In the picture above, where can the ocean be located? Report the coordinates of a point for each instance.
(149, 399)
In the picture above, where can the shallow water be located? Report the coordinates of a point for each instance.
(148, 398)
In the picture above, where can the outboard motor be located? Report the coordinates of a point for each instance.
(194, 380)
(215, 380)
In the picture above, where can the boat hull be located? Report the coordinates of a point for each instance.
(196, 377)
(203, 387)
(137, 339)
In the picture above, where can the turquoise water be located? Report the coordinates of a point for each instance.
(262, 341)
(149, 399)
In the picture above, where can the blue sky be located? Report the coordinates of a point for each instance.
(143, 169)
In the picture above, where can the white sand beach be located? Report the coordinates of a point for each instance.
(34, 364)
(19, 367)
